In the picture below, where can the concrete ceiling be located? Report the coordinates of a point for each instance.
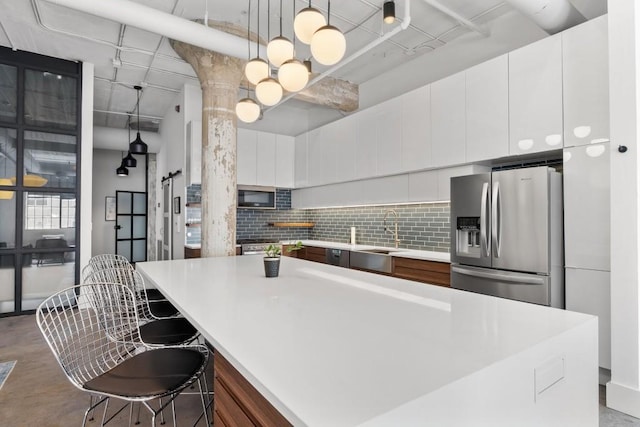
(435, 45)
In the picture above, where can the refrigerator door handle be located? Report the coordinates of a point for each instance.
(495, 219)
(498, 276)
(485, 244)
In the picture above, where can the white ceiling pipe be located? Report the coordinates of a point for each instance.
(456, 16)
(118, 139)
(552, 16)
(406, 20)
(164, 24)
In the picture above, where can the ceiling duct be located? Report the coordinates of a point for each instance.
(162, 23)
(552, 16)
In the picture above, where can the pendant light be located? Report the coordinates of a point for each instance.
(307, 22)
(138, 146)
(129, 161)
(257, 68)
(280, 49)
(389, 12)
(247, 109)
(122, 169)
(268, 90)
(328, 44)
(293, 74)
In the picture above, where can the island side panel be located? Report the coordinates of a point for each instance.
(238, 403)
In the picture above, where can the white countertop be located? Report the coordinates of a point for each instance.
(329, 346)
(399, 252)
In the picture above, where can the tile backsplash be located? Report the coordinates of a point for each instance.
(420, 226)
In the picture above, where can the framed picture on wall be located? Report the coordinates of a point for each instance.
(110, 208)
(176, 205)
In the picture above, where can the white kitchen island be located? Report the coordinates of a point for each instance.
(328, 346)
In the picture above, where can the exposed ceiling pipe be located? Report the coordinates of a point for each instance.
(552, 16)
(457, 17)
(406, 20)
(162, 23)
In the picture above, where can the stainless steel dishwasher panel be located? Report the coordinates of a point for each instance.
(337, 257)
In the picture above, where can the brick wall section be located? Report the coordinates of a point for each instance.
(422, 226)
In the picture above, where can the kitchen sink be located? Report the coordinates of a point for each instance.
(377, 260)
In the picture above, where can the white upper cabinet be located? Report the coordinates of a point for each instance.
(315, 155)
(448, 120)
(266, 159)
(285, 160)
(487, 110)
(586, 83)
(194, 152)
(366, 146)
(389, 135)
(247, 157)
(344, 149)
(535, 97)
(300, 166)
(416, 129)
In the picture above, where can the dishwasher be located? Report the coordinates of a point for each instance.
(337, 257)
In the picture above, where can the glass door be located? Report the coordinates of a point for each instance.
(131, 225)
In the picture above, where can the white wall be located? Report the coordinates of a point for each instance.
(86, 164)
(105, 183)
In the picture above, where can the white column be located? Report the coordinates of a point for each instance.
(86, 164)
(623, 391)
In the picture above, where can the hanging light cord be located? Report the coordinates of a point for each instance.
(249, 40)
(138, 108)
(269, 33)
(280, 18)
(328, 12)
(258, 41)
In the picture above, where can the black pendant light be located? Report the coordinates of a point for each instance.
(122, 170)
(138, 146)
(129, 161)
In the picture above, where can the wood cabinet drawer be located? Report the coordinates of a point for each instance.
(227, 409)
(191, 252)
(435, 273)
(313, 253)
(228, 381)
(217, 421)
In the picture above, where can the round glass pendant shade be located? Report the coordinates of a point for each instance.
(247, 110)
(307, 22)
(256, 70)
(293, 75)
(269, 91)
(279, 50)
(328, 45)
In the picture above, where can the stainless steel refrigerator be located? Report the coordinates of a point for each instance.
(506, 235)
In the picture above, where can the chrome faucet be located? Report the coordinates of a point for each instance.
(386, 228)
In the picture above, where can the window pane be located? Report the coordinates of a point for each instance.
(7, 283)
(49, 160)
(46, 219)
(50, 100)
(7, 219)
(9, 90)
(45, 275)
(7, 155)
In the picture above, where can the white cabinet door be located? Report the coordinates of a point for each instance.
(589, 291)
(246, 157)
(315, 157)
(586, 206)
(327, 152)
(448, 133)
(301, 167)
(585, 83)
(366, 143)
(487, 108)
(194, 152)
(389, 189)
(535, 97)
(285, 159)
(344, 149)
(389, 133)
(266, 159)
(416, 129)
(423, 186)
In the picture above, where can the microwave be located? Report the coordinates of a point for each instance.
(255, 197)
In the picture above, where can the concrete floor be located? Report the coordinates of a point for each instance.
(37, 393)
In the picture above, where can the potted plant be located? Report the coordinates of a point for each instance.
(272, 258)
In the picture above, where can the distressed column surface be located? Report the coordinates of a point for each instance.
(220, 77)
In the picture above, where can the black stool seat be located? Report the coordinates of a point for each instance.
(152, 373)
(154, 294)
(176, 330)
(162, 308)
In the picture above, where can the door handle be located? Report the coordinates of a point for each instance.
(520, 279)
(117, 227)
(495, 223)
(484, 241)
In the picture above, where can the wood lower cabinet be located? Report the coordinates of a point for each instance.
(237, 403)
(432, 272)
(313, 253)
(195, 252)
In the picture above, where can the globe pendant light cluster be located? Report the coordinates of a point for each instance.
(328, 46)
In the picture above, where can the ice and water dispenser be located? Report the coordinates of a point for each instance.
(468, 236)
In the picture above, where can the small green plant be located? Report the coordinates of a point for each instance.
(295, 247)
(272, 251)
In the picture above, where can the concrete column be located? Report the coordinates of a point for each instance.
(220, 77)
(623, 391)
